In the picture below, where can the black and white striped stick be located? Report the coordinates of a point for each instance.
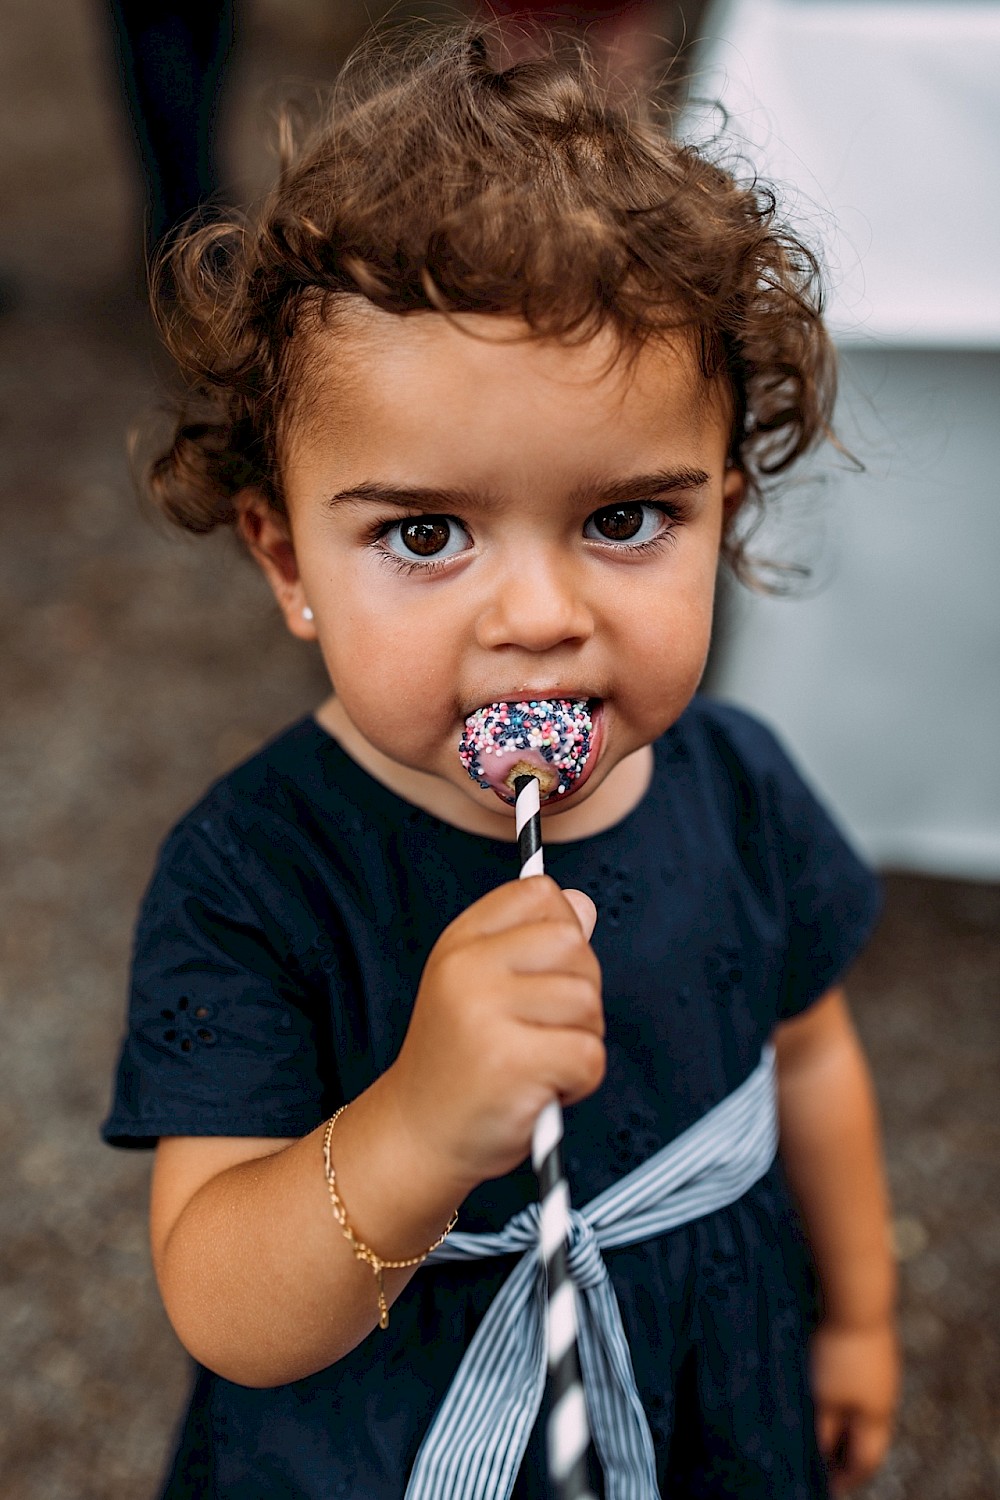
(569, 1445)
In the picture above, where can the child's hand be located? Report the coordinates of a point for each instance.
(508, 1017)
(855, 1379)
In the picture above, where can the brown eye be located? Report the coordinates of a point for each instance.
(425, 536)
(630, 525)
(425, 539)
(619, 523)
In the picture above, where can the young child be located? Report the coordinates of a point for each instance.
(486, 390)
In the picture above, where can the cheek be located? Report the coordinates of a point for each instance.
(393, 671)
(675, 605)
(669, 643)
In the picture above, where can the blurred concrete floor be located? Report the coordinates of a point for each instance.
(135, 666)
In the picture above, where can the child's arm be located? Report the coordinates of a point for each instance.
(831, 1149)
(255, 1273)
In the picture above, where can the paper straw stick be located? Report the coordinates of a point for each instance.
(568, 1433)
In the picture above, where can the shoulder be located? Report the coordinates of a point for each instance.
(748, 790)
(291, 843)
(272, 803)
(232, 1000)
(735, 769)
(723, 737)
(792, 853)
(246, 854)
(269, 781)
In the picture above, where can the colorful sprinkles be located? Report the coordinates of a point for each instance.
(559, 729)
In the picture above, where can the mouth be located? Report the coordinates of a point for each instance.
(555, 739)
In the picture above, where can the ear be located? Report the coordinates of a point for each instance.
(269, 539)
(734, 492)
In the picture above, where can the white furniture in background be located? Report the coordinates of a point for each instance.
(880, 124)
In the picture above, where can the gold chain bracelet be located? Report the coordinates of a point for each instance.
(361, 1250)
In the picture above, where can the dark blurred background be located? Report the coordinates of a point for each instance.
(137, 665)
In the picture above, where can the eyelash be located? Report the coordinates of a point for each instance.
(402, 564)
(671, 512)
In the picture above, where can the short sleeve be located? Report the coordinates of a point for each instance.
(828, 899)
(223, 1036)
(833, 898)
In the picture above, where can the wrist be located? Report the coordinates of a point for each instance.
(399, 1197)
(877, 1324)
(869, 1303)
(363, 1252)
(420, 1155)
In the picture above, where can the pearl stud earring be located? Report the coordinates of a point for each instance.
(307, 613)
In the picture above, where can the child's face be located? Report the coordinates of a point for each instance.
(475, 519)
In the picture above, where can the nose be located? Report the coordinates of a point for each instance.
(536, 604)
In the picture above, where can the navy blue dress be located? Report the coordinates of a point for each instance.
(277, 955)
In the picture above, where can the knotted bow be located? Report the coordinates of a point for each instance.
(477, 1440)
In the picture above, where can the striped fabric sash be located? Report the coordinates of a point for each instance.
(477, 1440)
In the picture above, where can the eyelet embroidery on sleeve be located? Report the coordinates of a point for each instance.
(186, 1029)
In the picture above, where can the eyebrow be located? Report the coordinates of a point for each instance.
(429, 499)
(642, 486)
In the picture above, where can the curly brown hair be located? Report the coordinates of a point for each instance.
(441, 181)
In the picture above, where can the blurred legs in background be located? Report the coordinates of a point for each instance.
(172, 59)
